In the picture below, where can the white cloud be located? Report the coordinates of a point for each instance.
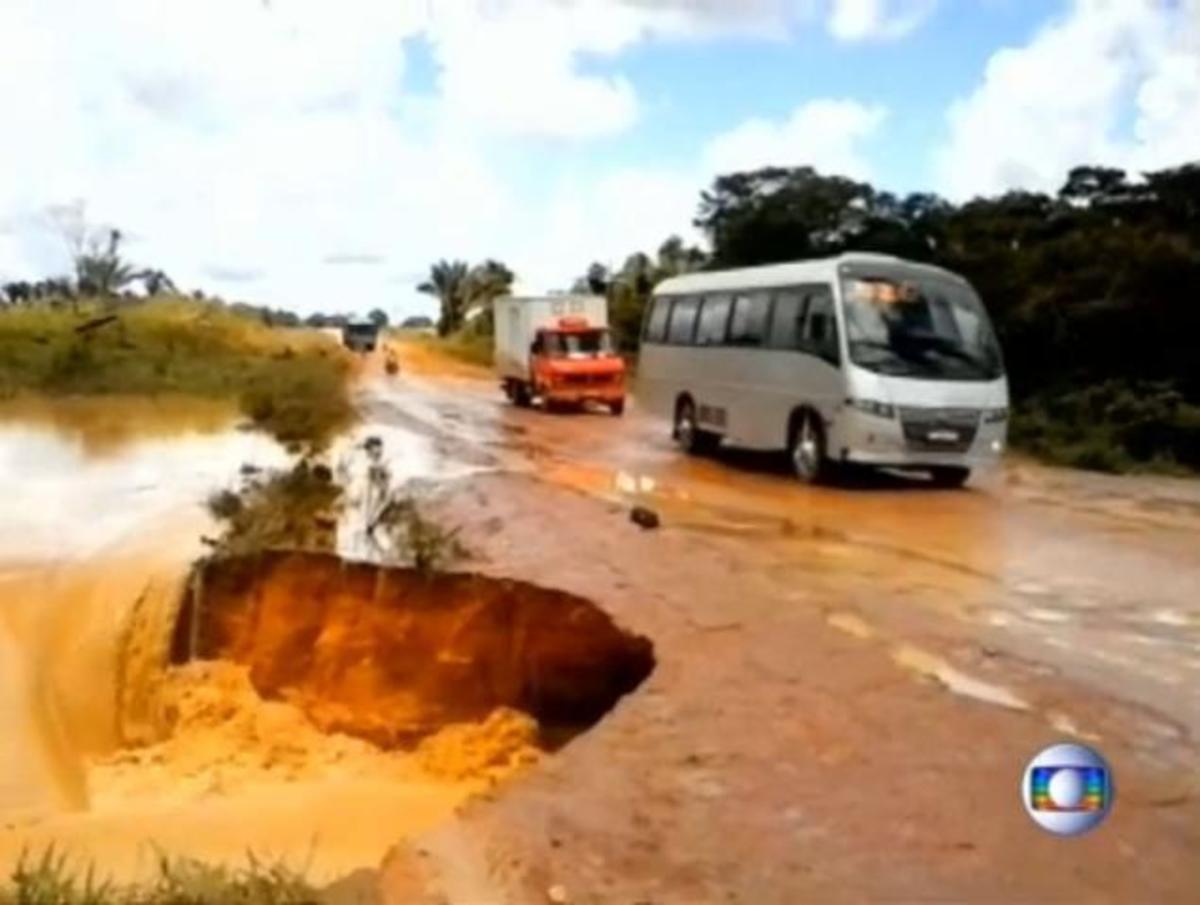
(877, 20)
(1069, 95)
(245, 147)
(827, 134)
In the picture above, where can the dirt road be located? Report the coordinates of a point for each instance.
(849, 683)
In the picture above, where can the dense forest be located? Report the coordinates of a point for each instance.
(1095, 291)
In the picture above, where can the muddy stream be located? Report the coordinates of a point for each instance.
(309, 706)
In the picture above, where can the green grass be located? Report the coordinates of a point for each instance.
(1116, 426)
(292, 383)
(51, 879)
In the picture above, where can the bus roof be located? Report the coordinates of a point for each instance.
(774, 275)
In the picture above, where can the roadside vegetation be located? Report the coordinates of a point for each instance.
(90, 334)
(1093, 290)
(52, 879)
(291, 384)
(299, 508)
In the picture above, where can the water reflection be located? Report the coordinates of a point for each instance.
(103, 426)
(80, 474)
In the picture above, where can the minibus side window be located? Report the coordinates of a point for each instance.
(714, 320)
(683, 321)
(656, 321)
(748, 325)
(820, 325)
(787, 319)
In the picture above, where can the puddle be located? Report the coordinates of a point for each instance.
(851, 624)
(1040, 614)
(934, 667)
(79, 483)
(104, 426)
(1170, 617)
(1065, 724)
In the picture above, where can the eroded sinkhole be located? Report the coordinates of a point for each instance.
(392, 656)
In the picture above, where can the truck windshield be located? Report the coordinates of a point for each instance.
(585, 344)
(919, 327)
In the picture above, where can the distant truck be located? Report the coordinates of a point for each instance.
(558, 349)
(360, 336)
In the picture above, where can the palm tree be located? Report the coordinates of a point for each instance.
(155, 282)
(447, 282)
(485, 283)
(100, 269)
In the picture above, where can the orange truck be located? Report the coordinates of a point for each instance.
(558, 349)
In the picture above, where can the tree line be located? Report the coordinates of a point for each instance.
(100, 270)
(1094, 290)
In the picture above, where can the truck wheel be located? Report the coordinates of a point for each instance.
(521, 396)
(617, 408)
(691, 439)
(806, 449)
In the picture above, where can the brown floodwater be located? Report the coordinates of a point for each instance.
(298, 737)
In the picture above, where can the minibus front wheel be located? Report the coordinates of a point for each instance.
(806, 448)
(949, 477)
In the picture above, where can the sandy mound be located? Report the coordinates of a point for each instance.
(501, 744)
(215, 735)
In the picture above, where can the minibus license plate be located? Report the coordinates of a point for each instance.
(942, 436)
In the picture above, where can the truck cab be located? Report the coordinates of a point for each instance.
(360, 336)
(558, 348)
(574, 362)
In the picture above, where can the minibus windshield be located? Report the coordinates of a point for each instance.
(919, 327)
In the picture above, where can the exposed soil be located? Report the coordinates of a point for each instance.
(392, 656)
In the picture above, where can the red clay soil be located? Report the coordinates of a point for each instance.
(771, 759)
(392, 656)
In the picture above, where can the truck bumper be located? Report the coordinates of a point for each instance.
(580, 395)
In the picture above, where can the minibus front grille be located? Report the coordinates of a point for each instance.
(939, 429)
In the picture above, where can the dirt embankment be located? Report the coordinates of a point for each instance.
(392, 656)
(332, 710)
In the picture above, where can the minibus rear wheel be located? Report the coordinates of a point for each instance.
(806, 448)
(691, 439)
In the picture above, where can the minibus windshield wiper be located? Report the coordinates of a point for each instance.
(892, 357)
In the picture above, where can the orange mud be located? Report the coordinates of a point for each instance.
(392, 656)
(289, 744)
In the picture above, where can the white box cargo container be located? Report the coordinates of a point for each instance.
(517, 321)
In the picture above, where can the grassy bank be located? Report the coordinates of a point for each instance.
(291, 383)
(466, 347)
(51, 879)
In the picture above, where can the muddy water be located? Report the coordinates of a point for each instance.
(101, 517)
(111, 755)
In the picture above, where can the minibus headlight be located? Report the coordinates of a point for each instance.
(873, 407)
(995, 416)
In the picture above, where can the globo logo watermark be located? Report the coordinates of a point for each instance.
(1068, 789)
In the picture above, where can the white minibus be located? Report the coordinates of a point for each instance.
(864, 358)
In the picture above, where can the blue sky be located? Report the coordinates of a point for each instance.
(320, 156)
